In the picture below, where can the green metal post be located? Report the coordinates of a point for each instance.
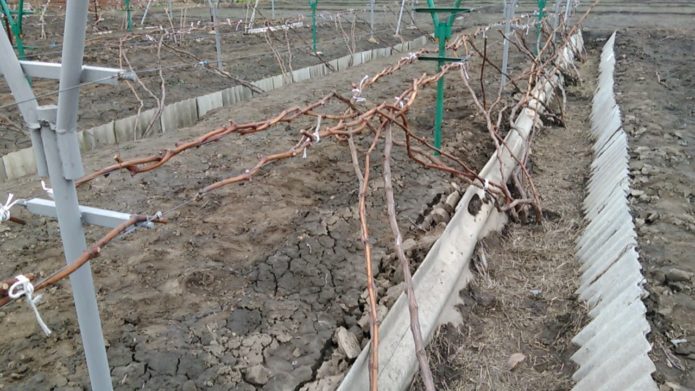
(442, 32)
(539, 27)
(129, 17)
(314, 4)
(15, 27)
(20, 15)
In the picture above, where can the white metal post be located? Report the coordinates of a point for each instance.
(509, 10)
(413, 5)
(400, 18)
(556, 18)
(567, 10)
(144, 15)
(218, 38)
(64, 166)
(272, 8)
(371, 20)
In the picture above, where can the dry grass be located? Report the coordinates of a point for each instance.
(523, 300)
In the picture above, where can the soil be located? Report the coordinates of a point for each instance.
(655, 83)
(244, 289)
(248, 57)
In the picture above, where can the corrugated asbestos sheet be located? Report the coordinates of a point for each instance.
(613, 348)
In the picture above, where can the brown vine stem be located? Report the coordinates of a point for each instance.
(415, 329)
(373, 316)
(87, 255)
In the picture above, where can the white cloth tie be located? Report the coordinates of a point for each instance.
(24, 287)
(5, 209)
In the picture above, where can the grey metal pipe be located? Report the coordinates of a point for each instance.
(567, 11)
(64, 165)
(371, 18)
(400, 18)
(509, 10)
(218, 38)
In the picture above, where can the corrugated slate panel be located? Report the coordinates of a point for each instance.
(613, 348)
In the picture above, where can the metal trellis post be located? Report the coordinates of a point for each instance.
(371, 20)
(567, 10)
(509, 9)
(314, 5)
(128, 16)
(218, 38)
(539, 27)
(56, 150)
(556, 18)
(442, 30)
(413, 5)
(400, 18)
(14, 22)
(64, 160)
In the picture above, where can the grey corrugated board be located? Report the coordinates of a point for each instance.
(179, 115)
(100, 135)
(623, 272)
(19, 163)
(610, 288)
(236, 94)
(209, 102)
(599, 348)
(124, 129)
(606, 319)
(620, 374)
(278, 81)
(607, 243)
(133, 127)
(357, 59)
(604, 211)
(607, 253)
(3, 173)
(613, 347)
(630, 293)
(344, 63)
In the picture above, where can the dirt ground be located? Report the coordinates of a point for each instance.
(248, 57)
(245, 288)
(655, 83)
